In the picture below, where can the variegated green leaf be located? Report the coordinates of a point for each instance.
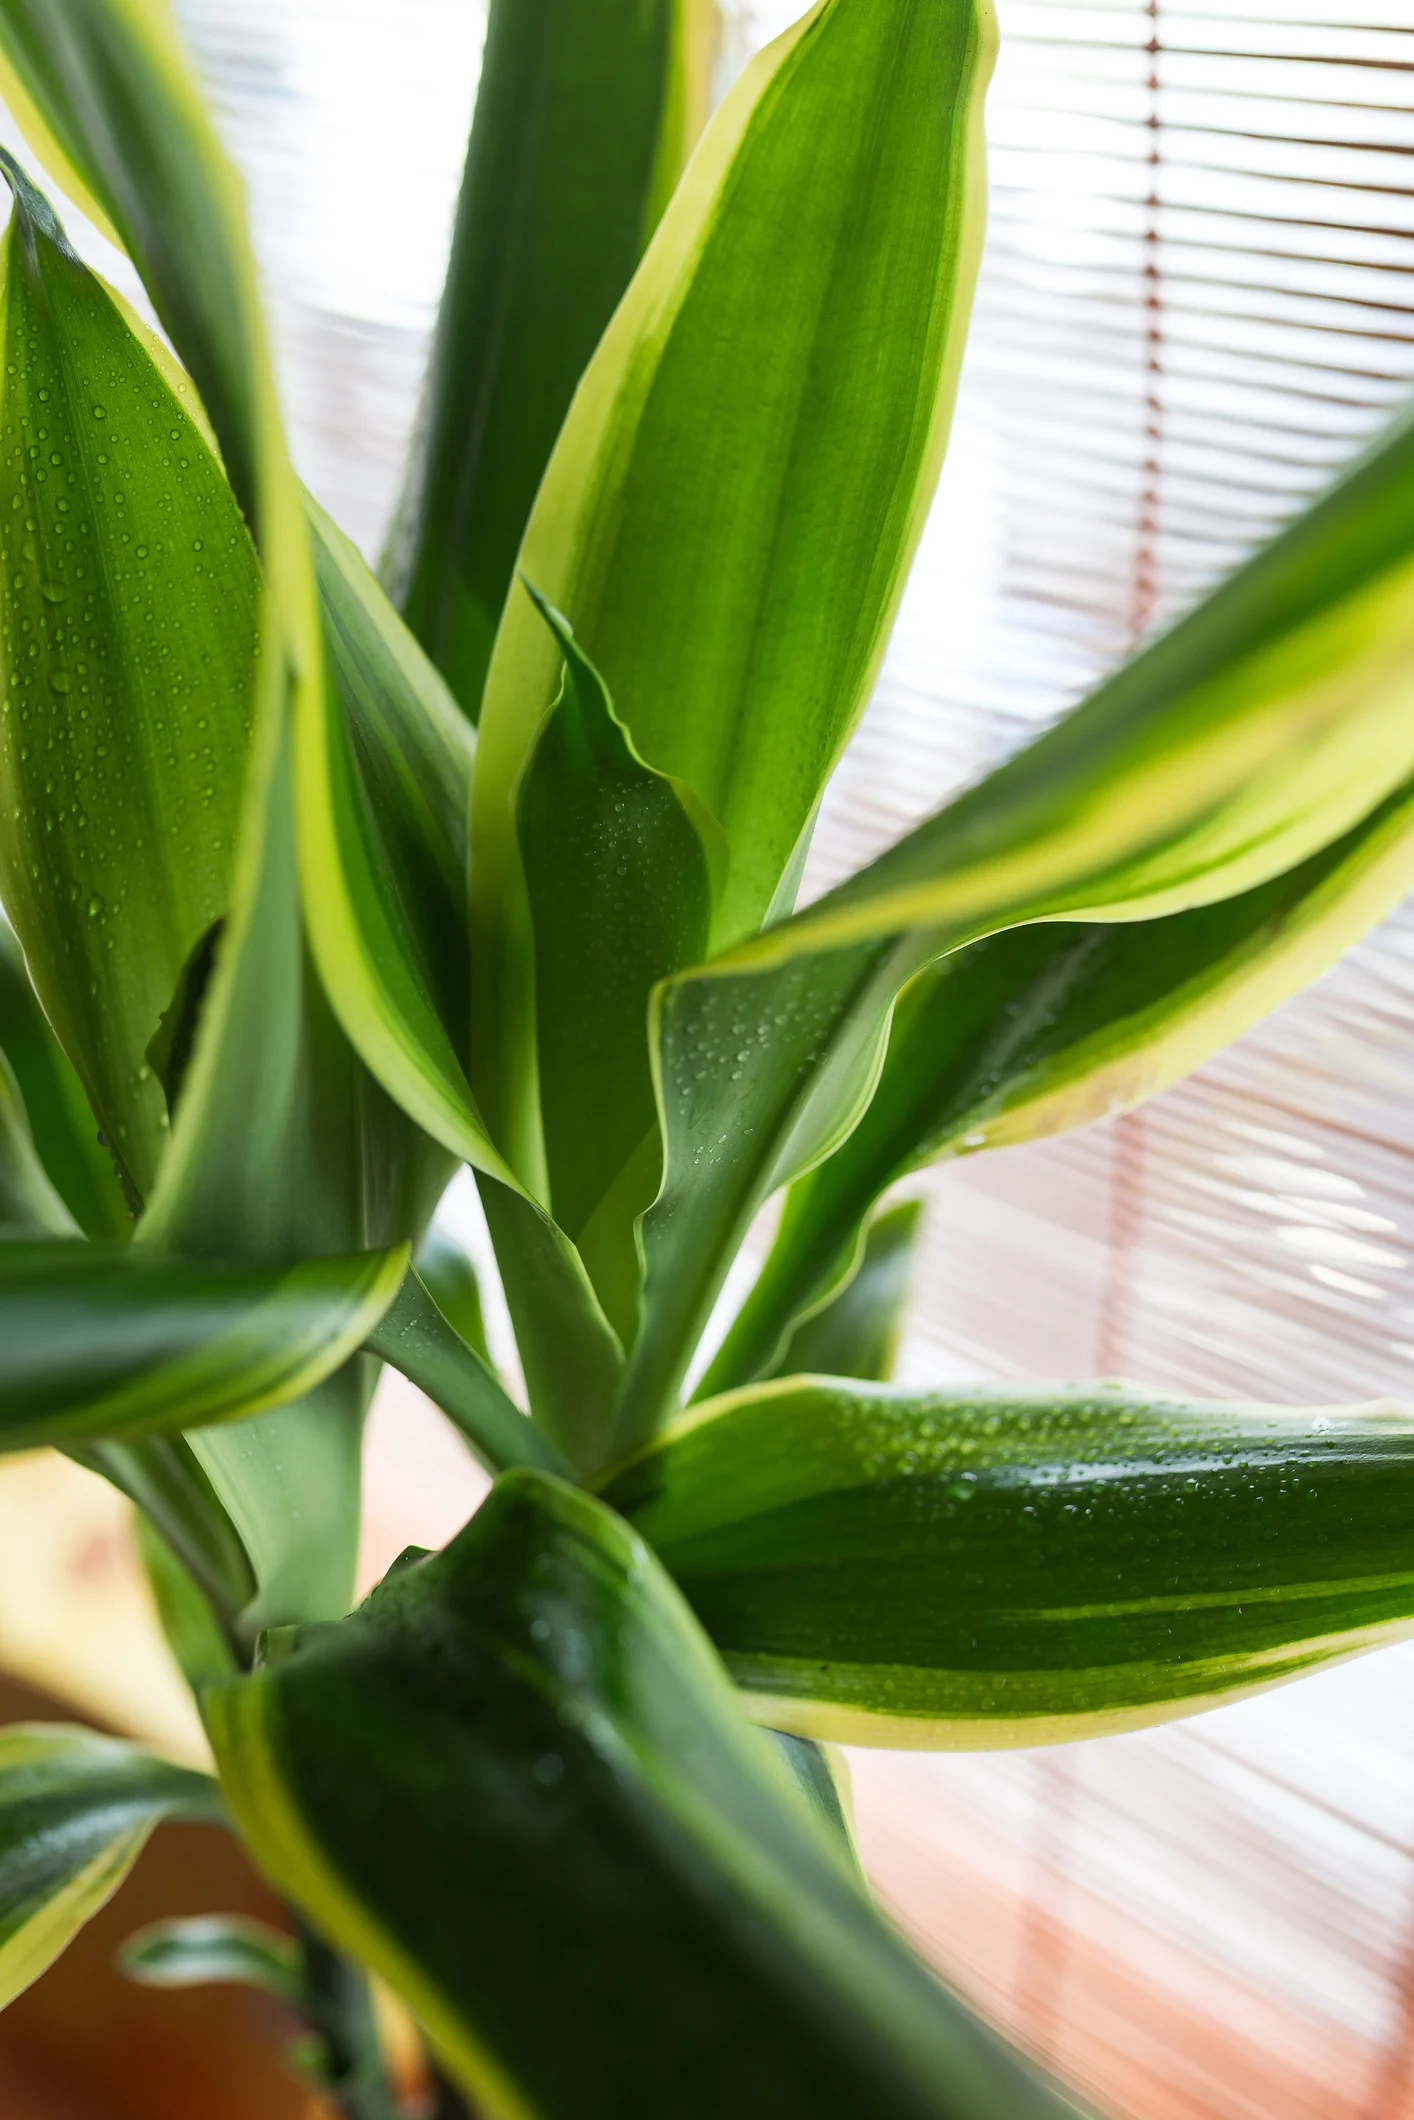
(107, 1342)
(75, 1811)
(1047, 1027)
(585, 113)
(854, 1332)
(127, 636)
(731, 508)
(531, 1725)
(1020, 1565)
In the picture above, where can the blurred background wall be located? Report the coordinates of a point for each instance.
(1197, 300)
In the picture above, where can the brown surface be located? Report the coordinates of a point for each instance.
(85, 2044)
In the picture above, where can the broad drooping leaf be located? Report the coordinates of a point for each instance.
(1023, 1565)
(620, 895)
(1043, 1028)
(585, 113)
(106, 1342)
(127, 635)
(1272, 723)
(415, 1337)
(75, 1810)
(530, 1724)
(733, 502)
(60, 1119)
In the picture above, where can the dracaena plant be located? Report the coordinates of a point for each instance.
(316, 892)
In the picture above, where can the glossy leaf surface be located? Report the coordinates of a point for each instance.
(60, 1118)
(1043, 1028)
(730, 510)
(530, 1723)
(620, 896)
(75, 1810)
(585, 113)
(1019, 1566)
(112, 1341)
(127, 635)
(418, 1340)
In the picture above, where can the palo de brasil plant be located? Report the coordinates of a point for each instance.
(293, 937)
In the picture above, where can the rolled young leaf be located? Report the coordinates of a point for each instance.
(584, 115)
(620, 894)
(1043, 1028)
(731, 508)
(1019, 1566)
(122, 753)
(60, 1117)
(75, 1810)
(529, 1723)
(107, 1342)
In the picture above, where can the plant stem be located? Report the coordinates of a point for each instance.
(339, 2006)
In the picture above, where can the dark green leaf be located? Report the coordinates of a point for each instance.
(620, 897)
(1008, 1566)
(729, 514)
(203, 1949)
(585, 112)
(60, 1118)
(105, 1341)
(127, 631)
(417, 1339)
(530, 1725)
(75, 1810)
